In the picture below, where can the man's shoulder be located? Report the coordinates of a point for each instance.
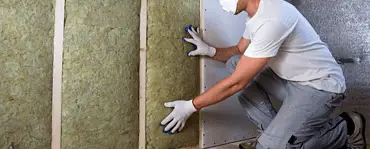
(277, 9)
(274, 12)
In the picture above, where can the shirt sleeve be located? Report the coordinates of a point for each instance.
(246, 33)
(268, 39)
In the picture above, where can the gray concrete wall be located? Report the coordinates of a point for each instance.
(345, 26)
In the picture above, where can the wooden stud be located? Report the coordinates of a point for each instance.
(142, 74)
(57, 74)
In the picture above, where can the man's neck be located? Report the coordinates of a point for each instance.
(252, 7)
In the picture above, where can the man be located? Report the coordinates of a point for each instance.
(301, 73)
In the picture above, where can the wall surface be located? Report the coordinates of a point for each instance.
(100, 75)
(171, 74)
(345, 27)
(26, 46)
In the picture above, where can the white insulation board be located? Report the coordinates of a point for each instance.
(225, 122)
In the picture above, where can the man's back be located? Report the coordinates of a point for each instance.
(301, 55)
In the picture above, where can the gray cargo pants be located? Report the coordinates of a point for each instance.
(304, 119)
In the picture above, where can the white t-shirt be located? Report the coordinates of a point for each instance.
(278, 30)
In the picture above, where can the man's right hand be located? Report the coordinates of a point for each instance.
(202, 48)
(176, 120)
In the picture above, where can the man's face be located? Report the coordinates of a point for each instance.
(229, 5)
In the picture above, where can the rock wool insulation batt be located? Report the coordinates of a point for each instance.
(26, 51)
(345, 27)
(100, 103)
(171, 74)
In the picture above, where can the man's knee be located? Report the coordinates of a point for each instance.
(257, 105)
(232, 62)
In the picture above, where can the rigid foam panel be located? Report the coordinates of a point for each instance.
(101, 75)
(345, 27)
(171, 74)
(26, 50)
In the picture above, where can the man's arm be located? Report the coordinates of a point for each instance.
(224, 54)
(221, 54)
(245, 71)
(266, 43)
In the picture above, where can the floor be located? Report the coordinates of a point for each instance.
(226, 146)
(235, 146)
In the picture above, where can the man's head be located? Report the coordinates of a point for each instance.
(233, 6)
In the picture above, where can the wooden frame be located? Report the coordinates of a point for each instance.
(57, 74)
(142, 74)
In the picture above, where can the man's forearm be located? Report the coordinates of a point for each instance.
(218, 93)
(245, 71)
(224, 54)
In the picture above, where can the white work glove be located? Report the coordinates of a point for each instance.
(177, 118)
(202, 48)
